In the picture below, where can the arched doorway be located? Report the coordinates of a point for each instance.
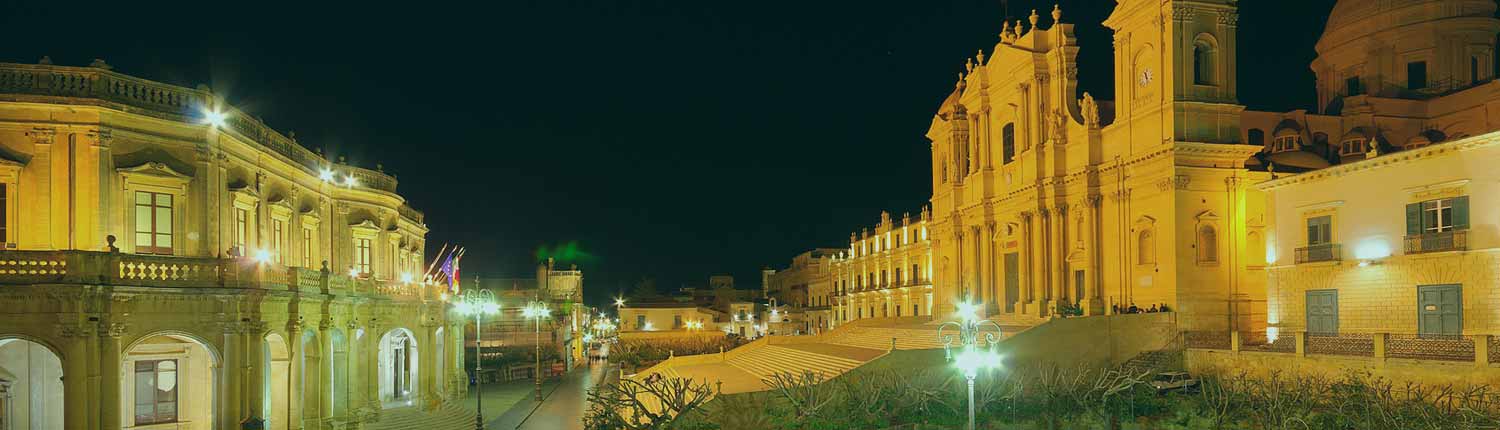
(338, 374)
(398, 367)
(169, 378)
(278, 381)
(312, 376)
(31, 386)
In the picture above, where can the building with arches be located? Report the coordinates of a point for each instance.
(1046, 199)
(169, 261)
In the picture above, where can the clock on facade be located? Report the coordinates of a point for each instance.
(1145, 78)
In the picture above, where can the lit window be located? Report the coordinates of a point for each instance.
(1319, 230)
(4, 234)
(307, 257)
(1286, 143)
(362, 255)
(1353, 147)
(1008, 145)
(155, 392)
(241, 229)
(1208, 245)
(278, 240)
(153, 223)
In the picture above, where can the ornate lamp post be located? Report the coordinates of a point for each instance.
(970, 329)
(478, 302)
(538, 311)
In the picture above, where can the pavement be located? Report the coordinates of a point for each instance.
(564, 404)
(501, 397)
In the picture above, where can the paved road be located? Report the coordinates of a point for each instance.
(563, 408)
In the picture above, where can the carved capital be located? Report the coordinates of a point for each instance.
(75, 330)
(100, 138)
(114, 330)
(1182, 13)
(1180, 181)
(1228, 18)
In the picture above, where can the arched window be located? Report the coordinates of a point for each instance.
(1145, 248)
(1008, 148)
(1208, 245)
(1205, 53)
(1257, 137)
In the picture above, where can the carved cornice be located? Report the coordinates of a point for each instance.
(1384, 160)
(1229, 18)
(42, 135)
(1182, 13)
(100, 138)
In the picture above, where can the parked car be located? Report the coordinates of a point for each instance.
(1169, 381)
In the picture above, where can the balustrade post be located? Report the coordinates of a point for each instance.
(1380, 340)
(1234, 341)
(1482, 350)
(1300, 338)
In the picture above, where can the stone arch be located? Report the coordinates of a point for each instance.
(169, 376)
(440, 367)
(277, 359)
(310, 353)
(398, 366)
(31, 383)
(338, 374)
(1205, 59)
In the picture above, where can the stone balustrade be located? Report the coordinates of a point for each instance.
(1481, 349)
(132, 270)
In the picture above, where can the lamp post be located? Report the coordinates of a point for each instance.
(970, 358)
(538, 311)
(478, 302)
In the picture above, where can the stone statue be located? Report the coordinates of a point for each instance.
(1374, 150)
(1056, 125)
(1090, 110)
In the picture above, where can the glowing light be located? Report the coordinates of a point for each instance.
(968, 311)
(465, 308)
(214, 118)
(492, 308)
(648, 327)
(262, 256)
(1270, 255)
(619, 301)
(350, 182)
(406, 278)
(353, 272)
(535, 310)
(444, 296)
(326, 175)
(1272, 333)
(973, 359)
(1371, 249)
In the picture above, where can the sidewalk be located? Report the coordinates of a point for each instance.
(563, 408)
(500, 397)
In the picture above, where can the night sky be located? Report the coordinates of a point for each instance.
(669, 139)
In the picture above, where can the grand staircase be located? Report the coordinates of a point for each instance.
(448, 417)
(880, 338)
(771, 360)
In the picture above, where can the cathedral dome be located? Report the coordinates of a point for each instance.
(1354, 18)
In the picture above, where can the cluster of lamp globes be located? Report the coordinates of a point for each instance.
(972, 358)
(218, 119)
(533, 310)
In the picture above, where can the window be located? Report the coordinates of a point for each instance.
(1437, 216)
(307, 257)
(640, 322)
(1286, 143)
(1352, 86)
(1145, 248)
(1473, 70)
(1208, 245)
(155, 391)
(362, 255)
(278, 240)
(1320, 230)
(1008, 145)
(1416, 75)
(153, 223)
(1257, 137)
(916, 274)
(676, 321)
(241, 229)
(1353, 147)
(898, 275)
(4, 234)
(1204, 70)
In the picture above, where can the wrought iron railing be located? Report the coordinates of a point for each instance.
(1430, 347)
(1207, 339)
(1319, 252)
(1452, 240)
(1355, 344)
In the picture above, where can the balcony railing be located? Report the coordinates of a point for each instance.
(1320, 252)
(1376, 346)
(117, 269)
(1452, 240)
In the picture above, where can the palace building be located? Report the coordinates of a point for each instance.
(1045, 200)
(171, 262)
(886, 272)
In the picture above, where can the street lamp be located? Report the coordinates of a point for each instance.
(478, 302)
(538, 311)
(970, 358)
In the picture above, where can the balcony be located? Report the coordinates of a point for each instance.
(1452, 240)
(1320, 252)
(116, 269)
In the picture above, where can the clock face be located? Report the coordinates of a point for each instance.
(1145, 78)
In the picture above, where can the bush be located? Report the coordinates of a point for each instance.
(639, 353)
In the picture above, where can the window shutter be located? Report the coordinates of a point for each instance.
(1414, 219)
(1461, 213)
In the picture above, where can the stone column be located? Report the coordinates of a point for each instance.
(1482, 350)
(77, 395)
(1027, 290)
(254, 386)
(1094, 302)
(295, 393)
(427, 368)
(230, 386)
(371, 355)
(110, 358)
(41, 212)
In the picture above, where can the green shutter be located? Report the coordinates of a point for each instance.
(1414, 219)
(1461, 213)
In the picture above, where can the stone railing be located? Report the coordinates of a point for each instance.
(132, 270)
(171, 102)
(411, 213)
(1481, 349)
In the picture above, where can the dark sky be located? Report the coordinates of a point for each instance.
(666, 138)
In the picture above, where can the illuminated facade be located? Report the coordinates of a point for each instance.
(886, 272)
(172, 262)
(1398, 235)
(802, 293)
(560, 290)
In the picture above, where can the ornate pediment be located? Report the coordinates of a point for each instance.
(155, 168)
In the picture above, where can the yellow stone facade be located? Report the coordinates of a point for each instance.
(1043, 199)
(316, 324)
(885, 273)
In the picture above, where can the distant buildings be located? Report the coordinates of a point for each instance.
(560, 290)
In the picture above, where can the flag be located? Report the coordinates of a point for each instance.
(449, 270)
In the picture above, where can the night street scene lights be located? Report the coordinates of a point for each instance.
(537, 310)
(477, 302)
(970, 358)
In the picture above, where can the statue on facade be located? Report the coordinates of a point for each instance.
(1090, 110)
(1374, 149)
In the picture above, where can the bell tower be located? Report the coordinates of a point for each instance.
(1177, 59)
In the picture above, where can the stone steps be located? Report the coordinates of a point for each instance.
(447, 417)
(772, 360)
